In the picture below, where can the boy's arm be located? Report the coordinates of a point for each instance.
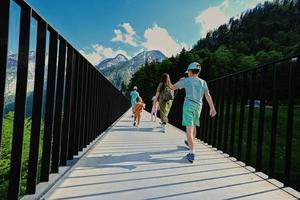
(212, 112)
(175, 86)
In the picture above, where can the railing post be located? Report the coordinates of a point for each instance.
(66, 112)
(87, 108)
(90, 105)
(94, 104)
(233, 113)
(207, 119)
(49, 109)
(56, 146)
(274, 121)
(201, 122)
(211, 121)
(18, 127)
(101, 122)
(261, 121)
(4, 26)
(98, 105)
(250, 118)
(214, 141)
(81, 104)
(209, 134)
(204, 120)
(84, 111)
(241, 121)
(227, 115)
(73, 107)
(290, 122)
(205, 123)
(221, 113)
(78, 106)
(37, 108)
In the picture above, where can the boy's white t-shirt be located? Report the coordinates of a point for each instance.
(195, 88)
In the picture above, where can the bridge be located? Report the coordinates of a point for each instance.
(90, 150)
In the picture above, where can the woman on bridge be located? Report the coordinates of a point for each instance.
(165, 95)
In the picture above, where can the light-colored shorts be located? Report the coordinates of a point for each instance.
(191, 115)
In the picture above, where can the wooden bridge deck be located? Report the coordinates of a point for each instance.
(145, 163)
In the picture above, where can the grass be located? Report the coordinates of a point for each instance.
(280, 144)
(6, 154)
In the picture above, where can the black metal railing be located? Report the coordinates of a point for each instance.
(258, 118)
(80, 102)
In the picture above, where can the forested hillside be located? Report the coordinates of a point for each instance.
(268, 32)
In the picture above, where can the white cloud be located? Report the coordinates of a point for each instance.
(127, 37)
(155, 38)
(210, 19)
(158, 38)
(128, 28)
(98, 52)
(214, 16)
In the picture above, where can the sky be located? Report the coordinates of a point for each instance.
(101, 29)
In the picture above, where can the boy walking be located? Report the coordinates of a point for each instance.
(133, 97)
(195, 89)
(137, 110)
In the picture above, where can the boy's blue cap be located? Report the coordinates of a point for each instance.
(193, 65)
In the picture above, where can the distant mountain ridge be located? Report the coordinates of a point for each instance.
(119, 70)
(11, 74)
(112, 62)
(11, 81)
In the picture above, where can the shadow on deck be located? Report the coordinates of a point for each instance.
(145, 163)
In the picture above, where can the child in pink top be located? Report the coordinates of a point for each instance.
(155, 105)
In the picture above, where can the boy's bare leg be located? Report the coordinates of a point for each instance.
(135, 118)
(190, 136)
(195, 132)
(138, 119)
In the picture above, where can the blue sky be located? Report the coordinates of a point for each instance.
(104, 28)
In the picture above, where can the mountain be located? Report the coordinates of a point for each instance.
(119, 59)
(11, 81)
(11, 74)
(118, 69)
(121, 71)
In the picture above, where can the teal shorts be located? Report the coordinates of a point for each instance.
(191, 115)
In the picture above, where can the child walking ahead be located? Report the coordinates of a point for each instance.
(195, 88)
(137, 110)
(133, 98)
(155, 105)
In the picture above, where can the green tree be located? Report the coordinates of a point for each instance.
(248, 61)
